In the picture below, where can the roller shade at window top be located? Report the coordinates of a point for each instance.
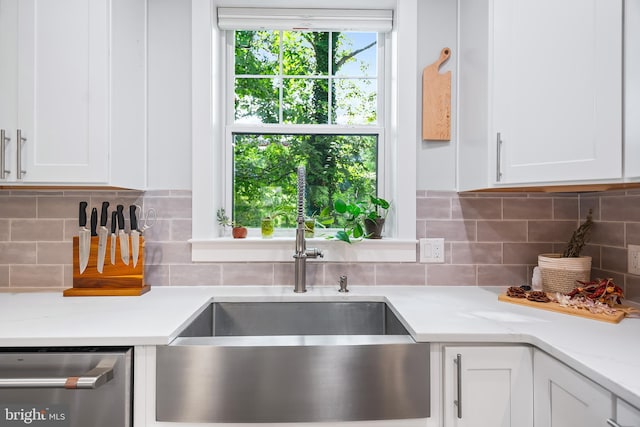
(249, 18)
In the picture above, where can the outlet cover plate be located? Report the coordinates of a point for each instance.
(432, 250)
(633, 252)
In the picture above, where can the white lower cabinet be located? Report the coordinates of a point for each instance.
(565, 398)
(626, 415)
(488, 386)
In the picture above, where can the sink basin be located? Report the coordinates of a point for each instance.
(256, 362)
(295, 318)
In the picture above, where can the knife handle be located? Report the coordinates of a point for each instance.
(82, 215)
(120, 209)
(103, 214)
(114, 219)
(94, 222)
(132, 217)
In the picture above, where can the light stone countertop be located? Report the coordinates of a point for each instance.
(607, 353)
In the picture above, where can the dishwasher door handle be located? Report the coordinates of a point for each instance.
(101, 374)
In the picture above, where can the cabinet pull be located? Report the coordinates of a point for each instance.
(19, 140)
(3, 145)
(612, 423)
(458, 401)
(498, 157)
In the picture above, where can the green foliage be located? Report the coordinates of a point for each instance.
(377, 208)
(353, 215)
(338, 166)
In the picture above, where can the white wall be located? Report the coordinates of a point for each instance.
(170, 93)
(437, 28)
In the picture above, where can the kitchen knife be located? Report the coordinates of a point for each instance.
(102, 236)
(124, 239)
(94, 222)
(84, 238)
(114, 219)
(135, 234)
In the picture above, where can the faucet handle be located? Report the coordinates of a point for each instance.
(314, 253)
(343, 284)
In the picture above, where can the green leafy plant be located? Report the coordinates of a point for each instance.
(355, 214)
(223, 218)
(225, 221)
(376, 208)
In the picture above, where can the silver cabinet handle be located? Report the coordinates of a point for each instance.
(498, 157)
(19, 140)
(612, 423)
(101, 374)
(3, 146)
(458, 401)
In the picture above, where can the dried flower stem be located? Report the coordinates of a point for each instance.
(579, 238)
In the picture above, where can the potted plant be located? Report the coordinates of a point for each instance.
(267, 224)
(361, 220)
(237, 230)
(375, 215)
(561, 271)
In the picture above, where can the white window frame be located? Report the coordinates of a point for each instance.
(382, 82)
(210, 158)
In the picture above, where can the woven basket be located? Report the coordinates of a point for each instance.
(560, 274)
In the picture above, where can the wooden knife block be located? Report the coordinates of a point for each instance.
(117, 279)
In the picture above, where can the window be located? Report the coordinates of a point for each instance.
(212, 133)
(303, 97)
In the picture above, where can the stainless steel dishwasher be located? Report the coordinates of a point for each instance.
(66, 387)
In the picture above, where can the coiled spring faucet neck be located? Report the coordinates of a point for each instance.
(302, 183)
(302, 253)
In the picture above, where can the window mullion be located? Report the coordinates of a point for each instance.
(281, 79)
(330, 80)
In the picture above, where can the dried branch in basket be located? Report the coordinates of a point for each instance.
(579, 238)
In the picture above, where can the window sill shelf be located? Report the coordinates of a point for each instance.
(282, 249)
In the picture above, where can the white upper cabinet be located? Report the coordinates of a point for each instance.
(632, 89)
(60, 66)
(540, 92)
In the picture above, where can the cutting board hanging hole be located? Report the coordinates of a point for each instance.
(436, 100)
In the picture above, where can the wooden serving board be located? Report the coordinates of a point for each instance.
(554, 306)
(436, 101)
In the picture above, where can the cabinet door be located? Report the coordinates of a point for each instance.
(488, 386)
(62, 111)
(564, 398)
(632, 89)
(627, 415)
(8, 84)
(557, 90)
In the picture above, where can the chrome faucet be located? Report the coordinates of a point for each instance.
(302, 253)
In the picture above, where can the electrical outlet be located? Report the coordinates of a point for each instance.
(633, 260)
(432, 250)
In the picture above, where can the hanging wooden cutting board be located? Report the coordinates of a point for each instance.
(436, 100)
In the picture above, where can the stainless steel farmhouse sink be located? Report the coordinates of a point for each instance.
(253, 362)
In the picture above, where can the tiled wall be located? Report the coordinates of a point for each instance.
(490, 239)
